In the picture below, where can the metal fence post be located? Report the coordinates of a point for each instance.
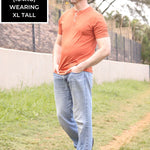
(59, 11)
(136, 52)
(39, 35)
(124, 52)
(130, 51)
(33, 37)
(140, 53)
(116, 39)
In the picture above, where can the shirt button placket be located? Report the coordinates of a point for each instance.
(75, 16)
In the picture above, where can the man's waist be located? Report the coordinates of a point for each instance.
(63, 71)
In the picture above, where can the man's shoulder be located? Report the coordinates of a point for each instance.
(95, 16)
(95, 13)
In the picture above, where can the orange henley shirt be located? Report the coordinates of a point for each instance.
(79, 30)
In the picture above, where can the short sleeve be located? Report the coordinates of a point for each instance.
(100, 27)
(60, 26)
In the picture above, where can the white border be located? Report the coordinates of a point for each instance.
(26, 22)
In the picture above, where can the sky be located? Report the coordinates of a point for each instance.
(121, 6)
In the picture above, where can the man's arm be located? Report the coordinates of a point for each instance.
(57, 52)
(103, 51)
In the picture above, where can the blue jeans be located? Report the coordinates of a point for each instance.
(73, 100)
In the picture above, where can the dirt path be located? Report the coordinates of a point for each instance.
(127, 135)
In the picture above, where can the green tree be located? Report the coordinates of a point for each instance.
(137, 30)
(109, 16)
(139, 10)
(141, 2)
(118, 19)
(146, 47)
(126, 21)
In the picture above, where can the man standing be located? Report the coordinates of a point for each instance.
(80, 29)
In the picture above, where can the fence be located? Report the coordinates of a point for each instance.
(41, 38)
(123, 49)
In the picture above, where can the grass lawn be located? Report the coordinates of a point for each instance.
(28, 117)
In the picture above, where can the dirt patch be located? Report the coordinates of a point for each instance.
(127, 135)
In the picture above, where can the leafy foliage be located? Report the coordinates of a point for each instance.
(146, 47)
(138, 9)
(141, 2)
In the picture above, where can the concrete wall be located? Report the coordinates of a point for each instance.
(109, 71)
(22, 68)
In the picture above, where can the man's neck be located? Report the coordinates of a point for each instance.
(81, 5)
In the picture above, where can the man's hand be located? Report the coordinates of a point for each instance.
(76, 69)
(56, 68)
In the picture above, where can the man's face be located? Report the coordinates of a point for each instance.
(74, 1)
